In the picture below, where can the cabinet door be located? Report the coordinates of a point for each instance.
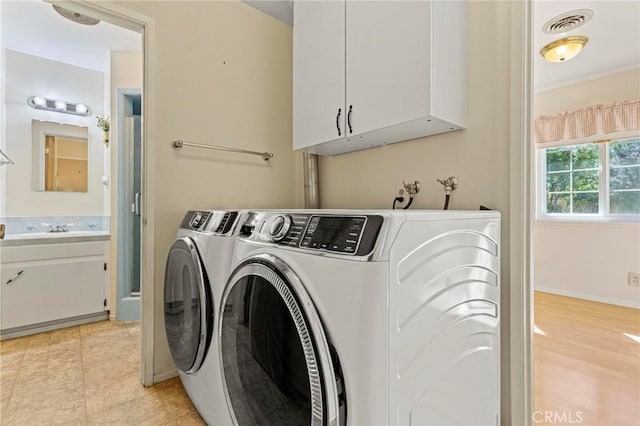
(387, 62)
(51, 290)
(318, 72)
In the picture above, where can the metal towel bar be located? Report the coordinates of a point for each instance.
(4, 159)
(178, 144)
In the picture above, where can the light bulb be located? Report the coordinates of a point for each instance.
(61, 105)
(81, 109)
(38, 101)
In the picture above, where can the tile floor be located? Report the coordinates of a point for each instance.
(86, 375)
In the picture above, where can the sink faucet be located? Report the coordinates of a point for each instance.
(58, 228)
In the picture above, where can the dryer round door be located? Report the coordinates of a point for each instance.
(188, 313)
(276, 364)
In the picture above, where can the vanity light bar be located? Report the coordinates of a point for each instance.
(38, 102)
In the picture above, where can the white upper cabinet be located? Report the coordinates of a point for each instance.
(396, 70)
(319, 72)
(386, 63)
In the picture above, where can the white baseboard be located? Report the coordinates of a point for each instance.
(51, 325)
(165, 375)
(610, 301)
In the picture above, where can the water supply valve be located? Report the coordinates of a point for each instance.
(450, 184)
(412, 188)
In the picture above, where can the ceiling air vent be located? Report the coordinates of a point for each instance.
(567, 21)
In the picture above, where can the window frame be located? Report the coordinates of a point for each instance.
(604, 193)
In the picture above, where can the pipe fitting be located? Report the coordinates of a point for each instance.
(412, 188)
(450, 184)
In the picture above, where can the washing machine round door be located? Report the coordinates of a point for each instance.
(276, 364)
(187, 306)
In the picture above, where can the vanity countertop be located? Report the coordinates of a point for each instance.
(53, 238)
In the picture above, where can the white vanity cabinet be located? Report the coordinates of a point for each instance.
(48, 284)
(369, 73)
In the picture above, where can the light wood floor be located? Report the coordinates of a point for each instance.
(586, 362)
(86, 375)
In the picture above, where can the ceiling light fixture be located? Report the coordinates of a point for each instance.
(75, 16)
(38, 102)
(564, 49)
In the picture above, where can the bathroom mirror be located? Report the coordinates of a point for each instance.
(60, 156)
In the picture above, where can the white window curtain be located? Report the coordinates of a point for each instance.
(590, 124)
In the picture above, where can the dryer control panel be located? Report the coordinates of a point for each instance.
(217, 222)
(345, 234)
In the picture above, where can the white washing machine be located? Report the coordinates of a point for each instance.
(197, 269)
(363, 318)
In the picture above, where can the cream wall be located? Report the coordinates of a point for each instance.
(26, 76)
(607, 89)
(585, 259)
(479, 155)
(223, 75)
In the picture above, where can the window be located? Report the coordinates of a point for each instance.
(591, 179)
(624, 176)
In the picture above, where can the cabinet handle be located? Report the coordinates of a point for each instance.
(338, 121)
(349, 118)
(15, 277)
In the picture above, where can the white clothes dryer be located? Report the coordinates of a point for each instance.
(337, 317)
(197, 269)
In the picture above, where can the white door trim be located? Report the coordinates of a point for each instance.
(520, 292)
(116, 14)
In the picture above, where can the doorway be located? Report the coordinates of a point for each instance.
(129, 196)
(110, 15)
(585, 230)
(145, 26)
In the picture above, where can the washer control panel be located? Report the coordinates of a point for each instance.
(279, 227)
(334, 233)
(345, 234)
